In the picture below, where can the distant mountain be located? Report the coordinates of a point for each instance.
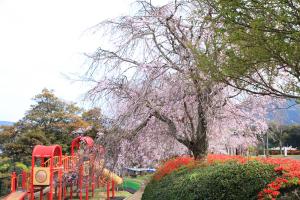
(291, 115)
(6, 123)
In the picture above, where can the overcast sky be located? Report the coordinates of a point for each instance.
(40, 41)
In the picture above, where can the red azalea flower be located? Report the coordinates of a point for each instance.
(275, 193)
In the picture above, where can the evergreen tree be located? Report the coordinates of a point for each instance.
(95, 119)
(53, 116)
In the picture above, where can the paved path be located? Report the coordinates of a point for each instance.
(138, 194)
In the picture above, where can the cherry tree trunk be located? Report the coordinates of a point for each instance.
(199, 148)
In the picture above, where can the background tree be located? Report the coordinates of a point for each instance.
(95, 120)
(5, 164)
(260, 44)
(20, 149)
(277, 126)
(293, 136)
(7, 133)
(278, 135)
(54, 117)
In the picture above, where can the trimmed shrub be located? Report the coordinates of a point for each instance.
(231, 181)
(171, 165)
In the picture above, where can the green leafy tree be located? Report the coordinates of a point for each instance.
(293, 136)
(5, 165)
(278, 135)
(7, 133)
(260, 45)
(20, 149)
(95, 119)
(288, 134)
(53, 116)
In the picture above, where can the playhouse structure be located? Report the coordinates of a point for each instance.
(55, 176)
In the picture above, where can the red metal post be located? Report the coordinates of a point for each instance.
(41, 194)
(93, 180)
(93, 185)
(42, 165)
(50, 195)
(71, 191)
(60, 186)
(13, 182)
(113, 188)
(24, 177)
(65, 163)
(87, 188)
(64, 190)
(107, 190)
(31, 179)
(80, 181)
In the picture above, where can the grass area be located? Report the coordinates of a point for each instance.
(134, 183)
(131, 184)
(139, 179)
(101, 194)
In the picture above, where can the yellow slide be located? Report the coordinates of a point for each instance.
(112, 176)
(108, 174)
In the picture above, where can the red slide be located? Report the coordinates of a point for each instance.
(18, 195)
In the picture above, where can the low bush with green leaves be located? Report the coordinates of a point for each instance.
(223, 181)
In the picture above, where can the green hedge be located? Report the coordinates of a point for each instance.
(229, 181)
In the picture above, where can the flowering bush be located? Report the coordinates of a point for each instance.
(171, 165)
(217, 181)
(283, 185)
(214, 158)
(289, 171)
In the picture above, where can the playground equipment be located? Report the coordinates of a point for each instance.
(57, 176)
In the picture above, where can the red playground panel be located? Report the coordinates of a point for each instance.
(56, 176)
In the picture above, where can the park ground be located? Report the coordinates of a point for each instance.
(137, 183)
(142, 181)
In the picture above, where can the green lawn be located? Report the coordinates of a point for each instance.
(101, 194)
(139, 179)
(134, 183)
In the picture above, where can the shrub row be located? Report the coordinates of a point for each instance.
(230, 181)
(225, 177)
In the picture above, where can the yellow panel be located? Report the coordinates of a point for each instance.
(86, 168)
(41, 176)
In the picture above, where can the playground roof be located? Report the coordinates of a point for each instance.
(76, 142)
(46, 151)
(88, 140)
